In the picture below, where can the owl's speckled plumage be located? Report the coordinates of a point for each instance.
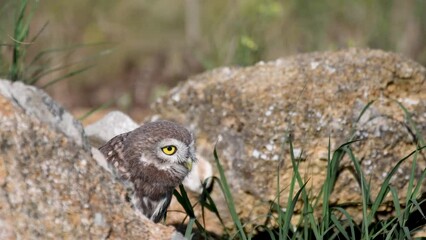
(138, 159)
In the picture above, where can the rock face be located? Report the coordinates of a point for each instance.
(50, 187)
(314, 97)
(38, 104)
(111, 125)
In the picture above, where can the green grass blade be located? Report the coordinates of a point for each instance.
(416, 191)
(45, 72)
(353, 130)
(332, 166)
(365, 192)
(338, 155)
(418, 207)
(384, 189)
(349, 219)
(390, 235)
(21, 29)
(20, 33)
(290, 211)
(210, 205)
(188, 231)
(411, 179)
(407, 234)
(384, 228)
(307, 207)
(68, 75)
(339, 226)
(409, 119)
(42, 53)
(284, 219)
(333, 163)
(283, 224)
(184, 201)
(39, 32)
(228, 197)
(182, 198)
(397, 206)
(278, 199)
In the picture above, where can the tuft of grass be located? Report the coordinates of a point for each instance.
(334, 222)
(43, 65)
(226, 190)
(337, 223)
(20, 36)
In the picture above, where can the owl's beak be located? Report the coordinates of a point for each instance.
(188, 164)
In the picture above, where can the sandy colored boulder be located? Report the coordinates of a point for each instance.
(316, 96)
(50, 187)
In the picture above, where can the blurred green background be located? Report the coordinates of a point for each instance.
(141, 48)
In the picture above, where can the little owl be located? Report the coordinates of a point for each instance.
(151, 160)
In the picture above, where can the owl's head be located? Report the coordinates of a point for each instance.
(166, 145)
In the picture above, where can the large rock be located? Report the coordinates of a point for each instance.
(38, 104)
(315, 97)
(50, 187)
(112, 124)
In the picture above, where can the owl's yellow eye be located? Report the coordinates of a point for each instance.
(169, 150)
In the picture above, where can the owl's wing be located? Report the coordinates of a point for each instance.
(113, 151)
